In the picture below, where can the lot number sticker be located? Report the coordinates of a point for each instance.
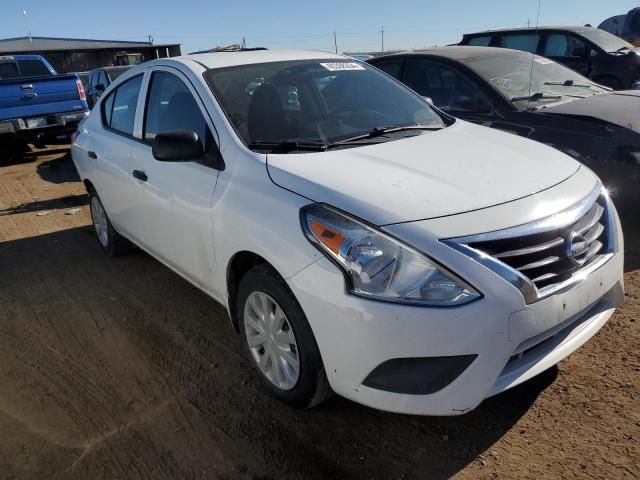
(341, 66)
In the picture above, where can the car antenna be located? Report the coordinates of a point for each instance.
(533, 57)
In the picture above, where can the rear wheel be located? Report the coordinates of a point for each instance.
(279, 341)
(112, 243)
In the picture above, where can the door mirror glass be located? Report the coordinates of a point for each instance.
(177, 146)
(100, 88)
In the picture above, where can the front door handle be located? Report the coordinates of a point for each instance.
(93, 155)
(140, 175)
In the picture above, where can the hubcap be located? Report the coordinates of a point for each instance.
(271, 340)
(99, 218)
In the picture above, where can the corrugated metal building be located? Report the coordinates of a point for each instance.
(78, 55)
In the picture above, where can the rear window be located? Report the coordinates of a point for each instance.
(8, 70)
(33, 68)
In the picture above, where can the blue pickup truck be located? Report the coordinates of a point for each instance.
(36, 104)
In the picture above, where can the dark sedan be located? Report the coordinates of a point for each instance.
(537, 98)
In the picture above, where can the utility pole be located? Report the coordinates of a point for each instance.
(244, 42)
(335, 41)
(151, 39)
(382, 39)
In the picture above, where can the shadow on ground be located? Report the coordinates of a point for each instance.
(122, 357)
(59, 170)
(44, 205)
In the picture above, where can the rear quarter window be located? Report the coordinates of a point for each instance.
(8, 71)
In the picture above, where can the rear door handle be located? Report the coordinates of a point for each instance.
(140, 175)
(93, 155)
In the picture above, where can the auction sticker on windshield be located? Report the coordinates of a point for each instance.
(340, 66)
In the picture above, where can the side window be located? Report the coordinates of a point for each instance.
(448, 88)
(92, 77)
(119, 109)
(560, 45)
(102, 79)
(171, 106)
(8, 70)
(483, 41)
(527, 42)
(33, 68)
(391, 68)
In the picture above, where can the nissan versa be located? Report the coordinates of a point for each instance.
(363, 241)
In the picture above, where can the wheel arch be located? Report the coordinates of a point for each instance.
(239, 264)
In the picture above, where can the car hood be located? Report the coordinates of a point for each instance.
(457, 169)
(619, 108)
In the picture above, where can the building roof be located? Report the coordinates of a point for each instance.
(46, 44)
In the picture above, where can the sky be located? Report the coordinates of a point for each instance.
(357, 24)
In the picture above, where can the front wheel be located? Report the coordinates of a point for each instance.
(112, 243)
(279, 341)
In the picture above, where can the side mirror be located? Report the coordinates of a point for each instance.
(177, 146)
(579, 52)
(100, 87)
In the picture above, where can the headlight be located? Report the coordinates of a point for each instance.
(380, 267)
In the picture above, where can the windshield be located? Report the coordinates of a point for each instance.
(522, 74)
(605, 40)
(116, 72)
(320, 101)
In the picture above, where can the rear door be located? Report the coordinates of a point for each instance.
(569, 50)
(108, 149)
(174, 199)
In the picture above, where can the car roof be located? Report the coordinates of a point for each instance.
(112, 68)
(567, 28)
(230, 59)
(457, 52)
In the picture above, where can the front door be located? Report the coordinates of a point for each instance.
(175, 198)
(569, 50)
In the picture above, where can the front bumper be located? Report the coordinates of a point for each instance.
(512, 341)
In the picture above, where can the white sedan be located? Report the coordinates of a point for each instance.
(363, 242)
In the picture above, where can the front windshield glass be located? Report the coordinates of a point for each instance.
(526, 79)
(319, 101)
(605, 40)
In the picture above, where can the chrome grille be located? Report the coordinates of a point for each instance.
(544, 257)
(552, 256)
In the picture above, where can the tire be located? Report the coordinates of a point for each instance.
(111, 242)
(309, 385)
(611, 82)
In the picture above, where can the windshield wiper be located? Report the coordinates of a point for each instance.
(570, 83)
(289, 146)
(379, 131)
(537, 96)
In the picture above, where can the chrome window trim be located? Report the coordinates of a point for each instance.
(567, 217)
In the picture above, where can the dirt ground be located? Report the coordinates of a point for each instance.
(118, 368)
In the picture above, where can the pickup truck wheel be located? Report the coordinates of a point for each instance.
(278, 340)
(112, 243)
